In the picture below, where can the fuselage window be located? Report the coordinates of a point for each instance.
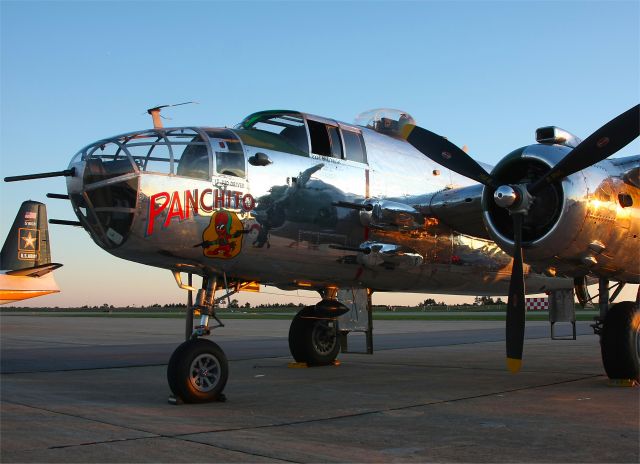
(625, 200)
(325, 139)
(320, 143)
(353, 146)
(230, 163)
(336, 144)
(229, 155)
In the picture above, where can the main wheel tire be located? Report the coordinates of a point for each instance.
(313, 341)
(620, 341)
(198, 371)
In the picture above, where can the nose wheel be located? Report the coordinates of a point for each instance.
(198, 371)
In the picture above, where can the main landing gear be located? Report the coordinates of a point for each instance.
(198, 369)
(619, 330)
(313, 341)
(313, 334)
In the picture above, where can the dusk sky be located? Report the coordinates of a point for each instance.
(485, 74)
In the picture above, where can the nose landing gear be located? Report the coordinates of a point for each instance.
(198, 369)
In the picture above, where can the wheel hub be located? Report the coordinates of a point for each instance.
(324, 338)
(204, 372)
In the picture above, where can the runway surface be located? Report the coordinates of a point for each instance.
(83, 389)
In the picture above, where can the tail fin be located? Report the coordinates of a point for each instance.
(27, 244)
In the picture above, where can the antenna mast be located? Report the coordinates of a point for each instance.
(155, 113)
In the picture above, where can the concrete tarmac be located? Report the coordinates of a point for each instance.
(85, 389)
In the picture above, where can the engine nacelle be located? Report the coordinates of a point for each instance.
(587, 222)
(458, 208)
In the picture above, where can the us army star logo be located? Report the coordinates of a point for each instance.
(28, 239)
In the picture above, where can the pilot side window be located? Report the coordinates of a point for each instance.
(353, 146)
(325, 139)
(228, 151)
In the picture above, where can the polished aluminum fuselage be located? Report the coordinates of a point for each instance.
(294, 232)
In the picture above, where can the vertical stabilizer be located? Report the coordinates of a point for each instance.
(27, 244)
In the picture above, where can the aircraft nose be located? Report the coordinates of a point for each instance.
(106, 189)
(103, 192)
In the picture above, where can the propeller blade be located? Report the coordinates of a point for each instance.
(445, 153)
(604, 142)
(515, 305)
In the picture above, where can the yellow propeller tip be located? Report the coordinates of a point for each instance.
(406, 130)
(514, 365)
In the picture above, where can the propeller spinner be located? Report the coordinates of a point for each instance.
(517, 199)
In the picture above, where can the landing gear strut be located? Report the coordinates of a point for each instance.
(198, 369)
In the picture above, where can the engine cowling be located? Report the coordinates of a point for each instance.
(575, 226)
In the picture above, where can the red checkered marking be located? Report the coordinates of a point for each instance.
(537, 304)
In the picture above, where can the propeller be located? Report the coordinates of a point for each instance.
(517, 199)
(445, 153)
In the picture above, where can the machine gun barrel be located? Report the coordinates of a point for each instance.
(66, 173)
(58, 196)
(64, 222)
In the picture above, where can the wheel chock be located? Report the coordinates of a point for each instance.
(177, 401)
(297, 365)
(623, 382)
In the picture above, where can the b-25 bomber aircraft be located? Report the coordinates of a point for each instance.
(296, 201)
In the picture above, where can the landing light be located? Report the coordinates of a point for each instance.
(303, 284)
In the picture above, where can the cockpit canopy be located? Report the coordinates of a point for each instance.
(289, 125)
(386, 121)
(302, 134)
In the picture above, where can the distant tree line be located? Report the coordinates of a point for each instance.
(235, 304)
